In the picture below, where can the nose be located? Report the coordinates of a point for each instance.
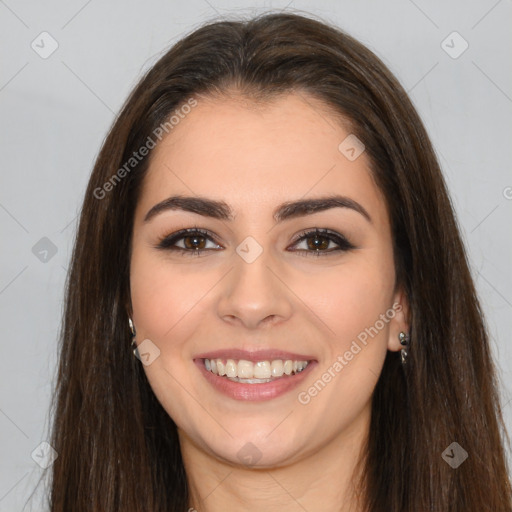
(254, 294)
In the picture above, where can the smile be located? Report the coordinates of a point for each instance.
(256, 380)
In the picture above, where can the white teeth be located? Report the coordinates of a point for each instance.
(245, 369)
(231, 368)
(262, 370)
(276, 368)
(252, 373)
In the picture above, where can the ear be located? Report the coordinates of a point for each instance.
(400, 322)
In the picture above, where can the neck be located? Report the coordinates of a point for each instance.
(324, 477)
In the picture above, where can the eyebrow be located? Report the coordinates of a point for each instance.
(288, 210)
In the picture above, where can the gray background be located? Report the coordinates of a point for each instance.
(55, 112)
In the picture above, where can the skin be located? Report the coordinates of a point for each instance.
(255, 157)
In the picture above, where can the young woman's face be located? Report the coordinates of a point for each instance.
(263, 292)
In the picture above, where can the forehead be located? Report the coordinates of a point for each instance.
(256, 155)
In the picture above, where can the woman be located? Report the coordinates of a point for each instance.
(269, 304)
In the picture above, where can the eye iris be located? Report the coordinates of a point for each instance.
(197, 239)
(316, 245)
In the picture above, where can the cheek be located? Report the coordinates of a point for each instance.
(354, 303)
(356, 307)
(350, 297)
(167, 308)
(164, 301)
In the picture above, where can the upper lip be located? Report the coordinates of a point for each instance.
(254, 355)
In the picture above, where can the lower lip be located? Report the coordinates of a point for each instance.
(254, 392)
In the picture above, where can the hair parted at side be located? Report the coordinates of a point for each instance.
(118, 448)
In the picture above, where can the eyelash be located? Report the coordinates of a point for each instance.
(167, 243)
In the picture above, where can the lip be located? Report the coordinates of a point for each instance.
(254, 392)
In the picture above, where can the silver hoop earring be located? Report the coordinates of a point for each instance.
(133, 344)
(405, 342)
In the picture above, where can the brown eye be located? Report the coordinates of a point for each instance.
(320, 241)
(196, 242)
(188, 241)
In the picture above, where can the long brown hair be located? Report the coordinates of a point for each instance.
(118, 448)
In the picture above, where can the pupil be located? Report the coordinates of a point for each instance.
(195, 240)
(322, 245)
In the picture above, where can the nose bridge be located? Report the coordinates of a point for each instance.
(253, 293)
